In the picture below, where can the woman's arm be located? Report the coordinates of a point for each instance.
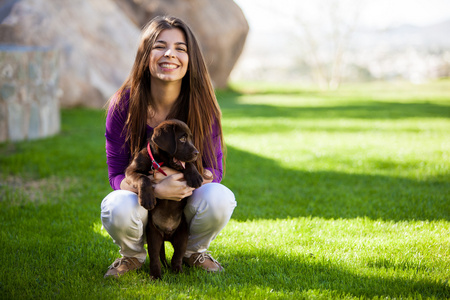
(117, 153)
(217, 170)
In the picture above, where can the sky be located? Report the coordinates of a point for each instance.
(374, 13)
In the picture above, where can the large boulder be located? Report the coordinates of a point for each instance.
(219, 25)
(96, 40)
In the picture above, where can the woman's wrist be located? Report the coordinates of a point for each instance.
(157, 190)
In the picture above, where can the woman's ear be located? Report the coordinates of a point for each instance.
(164, 138)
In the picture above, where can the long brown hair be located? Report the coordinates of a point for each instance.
(196, 104)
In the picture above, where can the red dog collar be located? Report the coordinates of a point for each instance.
(155, 165)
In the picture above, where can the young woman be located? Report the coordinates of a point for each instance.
(168, 80)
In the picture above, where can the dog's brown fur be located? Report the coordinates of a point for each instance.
(171, 142)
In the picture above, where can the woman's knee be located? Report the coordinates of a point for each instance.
(222, 199)
(215, 201)
(120, 207)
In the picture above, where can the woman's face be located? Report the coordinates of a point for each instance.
(169, 57)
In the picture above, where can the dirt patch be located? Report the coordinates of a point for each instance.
(19, 190)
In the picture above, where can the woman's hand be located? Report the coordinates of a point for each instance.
(170, 187)
(157, 176)
(173, 187)
(207, 176)
(124, 185)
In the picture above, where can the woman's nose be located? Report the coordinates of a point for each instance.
(169, 53)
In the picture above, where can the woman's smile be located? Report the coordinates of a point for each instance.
(168, 66)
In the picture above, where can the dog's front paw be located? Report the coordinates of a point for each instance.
(193, 179)
(147, 198)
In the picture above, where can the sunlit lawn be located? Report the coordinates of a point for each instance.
(341, 194)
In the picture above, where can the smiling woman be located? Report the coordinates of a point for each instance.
(169, 80)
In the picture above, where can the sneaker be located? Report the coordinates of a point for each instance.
(122, 265)
(203, 260)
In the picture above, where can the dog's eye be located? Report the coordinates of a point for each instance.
(183, 139)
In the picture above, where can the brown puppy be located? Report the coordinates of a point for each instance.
(172, 145)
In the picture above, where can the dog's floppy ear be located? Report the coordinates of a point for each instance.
(164, 138)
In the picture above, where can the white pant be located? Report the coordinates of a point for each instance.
(207, 212)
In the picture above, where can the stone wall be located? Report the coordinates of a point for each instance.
(29, 104)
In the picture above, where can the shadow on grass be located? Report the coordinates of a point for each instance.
(351, 108)
(265, 190)
(362, 110)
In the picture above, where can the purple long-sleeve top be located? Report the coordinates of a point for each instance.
(118, 154)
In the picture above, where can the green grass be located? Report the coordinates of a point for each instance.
(340, 194)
